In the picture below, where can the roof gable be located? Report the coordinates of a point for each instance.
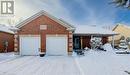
(118, 26)
(68, 26)
(123, 30)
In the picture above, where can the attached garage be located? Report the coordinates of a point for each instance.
(54, 36)
(56, 45)
(29, 45)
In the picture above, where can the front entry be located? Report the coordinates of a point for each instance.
(77, 43)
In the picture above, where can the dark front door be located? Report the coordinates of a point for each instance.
(76, 41)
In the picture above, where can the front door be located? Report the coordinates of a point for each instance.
(77, 44)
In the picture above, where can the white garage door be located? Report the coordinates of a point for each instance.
(29, 45)
(56, 45)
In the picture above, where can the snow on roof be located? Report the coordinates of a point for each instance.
(5, 28)
(95, 30)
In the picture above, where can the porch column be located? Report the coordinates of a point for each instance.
(90, 39)
(16, 43)
(113, 42)
(81, 41)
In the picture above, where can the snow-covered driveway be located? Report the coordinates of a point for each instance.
(35, 65)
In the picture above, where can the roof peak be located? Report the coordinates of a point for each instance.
(42, 12)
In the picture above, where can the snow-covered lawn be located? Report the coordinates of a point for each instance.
(35, 65)
(7, 56)
(104, 63)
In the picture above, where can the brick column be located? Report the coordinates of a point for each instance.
(43, 28)
(70, 42)
(16, 43)
(43, 42)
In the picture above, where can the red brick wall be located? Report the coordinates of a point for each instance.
(86, 41)
(9, 38)
(33, 28)
(104, 40)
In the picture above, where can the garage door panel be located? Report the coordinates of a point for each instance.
(29, 45)
(56, 45)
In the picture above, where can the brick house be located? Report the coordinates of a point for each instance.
(43, 34)
(6, 39)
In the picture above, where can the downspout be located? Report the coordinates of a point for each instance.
(90, 39)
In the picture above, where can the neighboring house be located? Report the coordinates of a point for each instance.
(6, 39)
(123, 30)
(45, 34)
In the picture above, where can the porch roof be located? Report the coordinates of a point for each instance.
(93, 30)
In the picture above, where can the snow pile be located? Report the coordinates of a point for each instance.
(109, 48)
(74, 54)
(86, 48)
(123, 51)
(7, 56)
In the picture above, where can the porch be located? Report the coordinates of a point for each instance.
(84, 33)
(82, 41)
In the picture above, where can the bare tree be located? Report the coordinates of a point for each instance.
(13, 21)
(122, 3)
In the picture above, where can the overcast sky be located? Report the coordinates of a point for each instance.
(76, 12)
